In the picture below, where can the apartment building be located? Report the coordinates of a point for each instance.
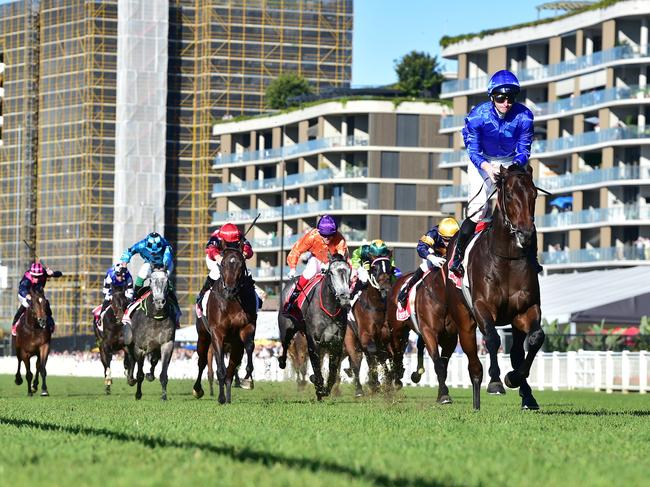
(585, 77)
(370, 163)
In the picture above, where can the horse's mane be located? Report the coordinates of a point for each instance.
(337, 258)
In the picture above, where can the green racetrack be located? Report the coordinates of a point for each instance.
(275, 435)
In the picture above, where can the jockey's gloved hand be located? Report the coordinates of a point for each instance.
(292, 273)
(489, 170)
(436, 261)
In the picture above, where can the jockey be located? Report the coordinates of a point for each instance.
(322, 241)
(362, 259)
(228, 236)
(35, 278)
(117, 276)
(498, 132)
(432, 247)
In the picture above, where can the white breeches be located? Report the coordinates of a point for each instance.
(23, 301)
(312, 268)
(213, 267)
(481, 187)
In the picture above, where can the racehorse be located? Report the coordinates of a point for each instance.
(110, 337)
(368, 333)
(298, 356)
(154, 327)
(33, 335)
(434, 329)
(245, 383)
(504, 288)
(324, 322)
(230, 321)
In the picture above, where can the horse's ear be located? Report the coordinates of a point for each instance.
(529, 168)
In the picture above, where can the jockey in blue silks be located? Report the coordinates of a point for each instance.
(498, 132)
(117, 276)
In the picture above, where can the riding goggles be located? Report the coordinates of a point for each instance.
(501, 97)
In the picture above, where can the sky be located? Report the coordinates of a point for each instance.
(385, 30)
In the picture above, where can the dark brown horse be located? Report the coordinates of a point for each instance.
(245, 383)
(435, 330)
(110, 338)
(504, 288)
(33, 336)
(368, 334)
(231, 315)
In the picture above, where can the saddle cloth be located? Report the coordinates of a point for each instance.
(403, 314)
(126, 319)
(457, 280)
(296, 309)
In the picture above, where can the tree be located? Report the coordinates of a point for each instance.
(286, 86)
(418, 72)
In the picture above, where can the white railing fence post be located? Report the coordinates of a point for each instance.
(625, 371)
(643, 372)
(609, 372)
(555, 371)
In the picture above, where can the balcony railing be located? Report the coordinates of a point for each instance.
(597, 176)
(292, 180)
(575, 103)
(275, 213)
(452, 193)
(261, 244)
(290, 151)
(541, 73)
(571, 143)
(594, 216)
(597, 255)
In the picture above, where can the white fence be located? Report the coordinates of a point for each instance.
(599, 371)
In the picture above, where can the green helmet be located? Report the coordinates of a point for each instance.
(378, 248)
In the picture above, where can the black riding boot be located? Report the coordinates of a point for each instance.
(137, 290)
(464, 235)
(206, 287)
(292, 299)
(533, 254)
(404, 293)
(20, 311)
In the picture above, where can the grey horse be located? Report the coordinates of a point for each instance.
(153, 326)
(324, 323)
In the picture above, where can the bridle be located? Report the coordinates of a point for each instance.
(384, 269)
(239, 280)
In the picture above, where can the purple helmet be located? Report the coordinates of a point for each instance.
(327, 226)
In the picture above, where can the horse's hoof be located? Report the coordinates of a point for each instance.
(282, 362)
(30, 394)
(247, 384)
(444, 399)
(528, 403)
(108, 390)
(163, 397)
(18, 381)
(138, 396)
(150, 377)
(312, 379)
(496, 388)
(132, 382)
(222, 400)
(44, 393)
(398, 384)
(415, 377)
(358, 393)
(348, 372)
(197, 394)
(512, 379)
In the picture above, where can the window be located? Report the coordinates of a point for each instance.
(407, 130)
(389, 165)
(404, 259)
(388, 227)
(405, 197)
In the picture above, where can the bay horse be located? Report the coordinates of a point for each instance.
(368, 333)
(230, 322)
(33, 336)
(324, 322)
(245, 383)
(110, 338)
(435, 330)
(299, 357)
(504, 288)
(153, 325)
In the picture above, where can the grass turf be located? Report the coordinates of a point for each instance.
(275, 435)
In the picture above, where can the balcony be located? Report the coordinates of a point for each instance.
(451, 194)
(569, 144)
(600, 256)
(549, 72)
(288, 152)
(273, 243)
(291, 211)
(292, 181)
(632, 214)
(587, 101)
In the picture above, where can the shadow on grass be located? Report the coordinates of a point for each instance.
(582, 412)
(265, 458)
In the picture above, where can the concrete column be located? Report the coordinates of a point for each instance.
(497, 59)
(580, 41)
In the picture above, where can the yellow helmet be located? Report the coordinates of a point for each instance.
(378, 242)
(448, 227)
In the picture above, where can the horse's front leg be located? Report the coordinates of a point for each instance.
(105, 355)
(247, 382)
(527, 326)
(234, 361)
(217, 345)
(202, 350)
(314, 356)
(28, 375)
(166, 352)
(44, 353)
(36, 373)
(130, 364)
(467, 335)
(417, 374)
(18, 380)
(140, 376)
(287, 331)
(353, 349)
(154, 357)
(485, 317)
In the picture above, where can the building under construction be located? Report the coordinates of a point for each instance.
(106, 109)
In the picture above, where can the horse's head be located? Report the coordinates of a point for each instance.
(516, 194)
(119, 301)
(381, 271)
(338, 278)
(38, 307)
(158, 283)
(233, 268)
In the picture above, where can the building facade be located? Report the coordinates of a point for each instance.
(65, 190)
(370, 163)
(584, 76)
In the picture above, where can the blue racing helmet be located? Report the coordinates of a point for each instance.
(154, 242)
(503, 81)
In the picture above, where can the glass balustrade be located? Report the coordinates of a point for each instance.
(289, 240)
(541, 73)
(292, 180)
(275, 213)
(452, 192)
(291, 150)
(595, 255)
(593, 216)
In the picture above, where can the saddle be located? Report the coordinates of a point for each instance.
(296, 310)
(403, 314)
(464, 281)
